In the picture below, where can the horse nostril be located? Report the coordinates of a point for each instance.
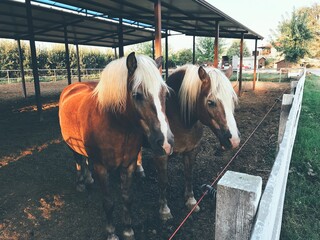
(160, 141)
(227, 134)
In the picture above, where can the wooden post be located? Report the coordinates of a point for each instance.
(121, 52)
(157, 14)
(67, 58)
(153, 53)
(193, 49)
(216, 46)
(23, 81)
(255, 65)
(240, 65)
(78, 63)
(34, 59)
(167, 55)
(115, 53)
(238, 196)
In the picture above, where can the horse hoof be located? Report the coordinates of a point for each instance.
(128, 235)
(81, 187)
(165, 213)
(112, 237)
(191, 203)
(166, 216)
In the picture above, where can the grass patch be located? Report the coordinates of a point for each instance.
(263, 77)
(301, 218)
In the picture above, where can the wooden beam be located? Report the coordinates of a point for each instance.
(78, 63)
(23, 81)
(157, 15)
(193, 49)
(216, 46)
(34, 60)
(67, 57)
(255, 65)
(121, 52)
(167, 55)
(240, 65)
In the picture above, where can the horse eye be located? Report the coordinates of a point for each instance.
(137, 96)
(211, 103)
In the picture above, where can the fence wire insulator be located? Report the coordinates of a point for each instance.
(211, 192)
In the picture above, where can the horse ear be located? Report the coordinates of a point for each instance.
(131, 63)
(229, 72)
(159, 62)
(202, 73)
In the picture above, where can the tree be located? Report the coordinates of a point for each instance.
(234, 49)
(293, 37)
(9, 55)
(143, 48)
(313, 22)
(181, 57)
(205, 49)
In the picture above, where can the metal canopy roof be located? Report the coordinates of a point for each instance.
(191, 17)
(49, 27)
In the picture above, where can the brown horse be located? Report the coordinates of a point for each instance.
(200, 97)
(106, 121)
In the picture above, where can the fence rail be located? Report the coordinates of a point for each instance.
(46, 75)
(269, 215)
(267, 224)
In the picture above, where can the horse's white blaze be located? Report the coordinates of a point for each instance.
(163, 124)
(235, 139)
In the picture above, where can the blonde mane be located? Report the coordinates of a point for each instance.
(111, 90)
(221, 89)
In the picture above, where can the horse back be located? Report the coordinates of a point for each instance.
(73, 106)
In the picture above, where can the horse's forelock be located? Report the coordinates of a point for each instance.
(189, 90)
(147, 76)
(221, 88)
(111, 90)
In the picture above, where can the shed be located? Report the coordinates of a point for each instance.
(283, 64)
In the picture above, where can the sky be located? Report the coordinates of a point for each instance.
(259, 16)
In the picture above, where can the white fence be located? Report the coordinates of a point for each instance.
(267, 224)
(13, 76)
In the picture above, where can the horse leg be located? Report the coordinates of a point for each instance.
(84, 176)
(140, 170)
(126, 181)
(188, 159)
(161, 163)
(108, 204)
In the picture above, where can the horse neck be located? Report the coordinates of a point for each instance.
(174, 82)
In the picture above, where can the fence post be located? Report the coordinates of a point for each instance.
(8, 76)
(238, 196)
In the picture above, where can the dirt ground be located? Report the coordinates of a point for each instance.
(38, 199)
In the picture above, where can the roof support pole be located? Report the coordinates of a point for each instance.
(193, 49)
(121, 52)
(157, 14)
(67, 58)
(34, 59)
(167, 55)
(115, 53)
(23, 81)
(153, 53)
(78, 63)
(216, 46)
(255, 65)
(241, 64)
